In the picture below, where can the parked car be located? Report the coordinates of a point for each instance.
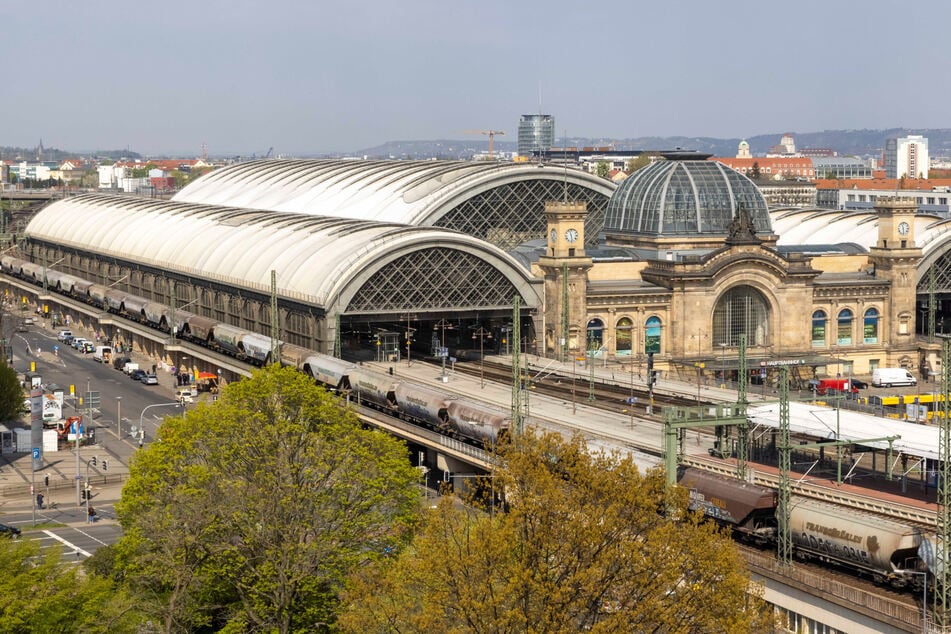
(149, 379)
(9, 531)
(119, 362)
(137, 375)
(859, 384)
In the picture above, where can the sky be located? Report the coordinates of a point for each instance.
(311, 76)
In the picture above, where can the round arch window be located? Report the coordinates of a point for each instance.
(741, 310)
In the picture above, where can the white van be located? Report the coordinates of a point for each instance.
(185, 395)
(63, 335)
(887, 377)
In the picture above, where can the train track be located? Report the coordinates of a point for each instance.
(605, 396)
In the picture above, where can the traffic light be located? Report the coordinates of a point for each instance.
(105, 465)
(650, 361)
(94, 461)
(652, 378)
(46, 480)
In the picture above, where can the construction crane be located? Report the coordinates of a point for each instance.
(491, 134)
(269, 150)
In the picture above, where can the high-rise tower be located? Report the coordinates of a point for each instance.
(536, 134)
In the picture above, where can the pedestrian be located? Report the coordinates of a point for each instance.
(153, 368)
(92, 514)
(39, 500)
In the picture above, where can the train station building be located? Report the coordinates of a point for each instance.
(362, 257)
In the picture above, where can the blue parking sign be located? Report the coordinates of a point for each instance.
(36, 453)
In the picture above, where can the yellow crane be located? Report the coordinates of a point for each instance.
(491, 134)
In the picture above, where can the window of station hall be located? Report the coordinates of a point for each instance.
(870, 326)
(652, 335)
(844, 328)
(624, 337)
(595, 334)
(741, 310)
(819, 329)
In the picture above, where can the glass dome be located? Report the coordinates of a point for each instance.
(682, 198)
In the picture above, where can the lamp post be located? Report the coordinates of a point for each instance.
(482, 334)
(147, 408)
(443, 352)
(119, 416)
(723, 363)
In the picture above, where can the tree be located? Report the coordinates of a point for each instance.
(11, 394)
(250, 511)
(582, 547)
(602, 169)
(40, 594)
(755, 173)
(634, 164)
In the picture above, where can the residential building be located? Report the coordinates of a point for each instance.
(906, 157)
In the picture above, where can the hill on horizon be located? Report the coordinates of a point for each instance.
(861, 143)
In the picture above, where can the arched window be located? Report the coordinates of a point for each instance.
(595, 334)
(819, 329)
(624, 336)
(652, 335)
(870, 326)
(844, 328)
(741, 310)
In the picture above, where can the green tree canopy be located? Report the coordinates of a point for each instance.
(634, 164)
(582, 547)
(11, 393)
(40, 594)
(602, 169)
(248, 512)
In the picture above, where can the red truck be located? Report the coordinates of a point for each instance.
(835, 386)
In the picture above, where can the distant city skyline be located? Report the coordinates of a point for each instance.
(307, 77)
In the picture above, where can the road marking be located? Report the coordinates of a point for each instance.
(89, 536)
(68, 544)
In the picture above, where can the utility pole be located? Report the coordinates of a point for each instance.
(275, 322)
(943, 515)
(516, 336)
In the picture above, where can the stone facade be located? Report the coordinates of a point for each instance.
(835, 313)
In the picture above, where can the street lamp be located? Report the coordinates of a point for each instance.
(119, 417)
(482, 334)
(443, 352)
(147, 408)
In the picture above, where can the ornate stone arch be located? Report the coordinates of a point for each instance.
(742, 309)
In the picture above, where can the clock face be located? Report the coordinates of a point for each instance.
(554, 235)
(903, 228)
(571, 235)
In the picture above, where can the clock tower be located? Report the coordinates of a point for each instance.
(895, 258)
(565, 267)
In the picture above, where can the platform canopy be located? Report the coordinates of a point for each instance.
(820, 422)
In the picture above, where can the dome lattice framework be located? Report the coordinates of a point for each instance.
(688, 197)
(511, 214)
(433, 278)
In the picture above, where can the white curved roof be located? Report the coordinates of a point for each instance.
(803, 227)
(408, 192)
(317, 259)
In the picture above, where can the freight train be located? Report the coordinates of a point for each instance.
(886, 550)
(428, 407)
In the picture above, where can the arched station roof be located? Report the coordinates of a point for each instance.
(816, 226)
(502, 203)
(338, 264)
